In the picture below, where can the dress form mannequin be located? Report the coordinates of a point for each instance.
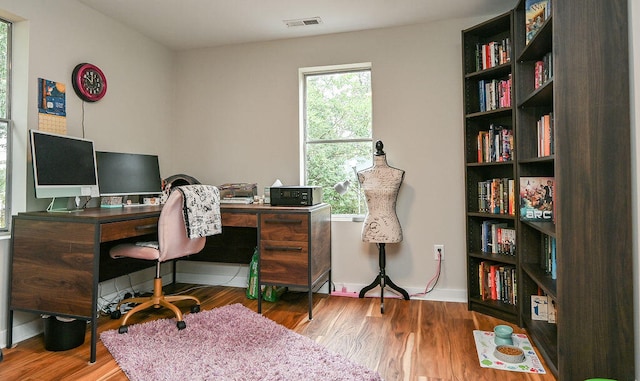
(381, 184)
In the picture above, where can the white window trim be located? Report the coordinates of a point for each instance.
(302, 73)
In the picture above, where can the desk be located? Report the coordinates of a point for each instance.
(56, 263)
(294, 244)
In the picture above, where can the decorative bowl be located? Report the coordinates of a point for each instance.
(509, 353)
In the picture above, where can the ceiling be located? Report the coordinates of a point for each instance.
(191, 24)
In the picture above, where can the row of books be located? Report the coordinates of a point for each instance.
(548, 256)
(536, 199)
(493, 54)
(495, 145)
(496, 196)
(543, 70)
(536, 13)
(494, 93)
(546, 139)
(498, 282)
(498, 238)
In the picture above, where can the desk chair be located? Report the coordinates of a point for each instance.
(182, 228)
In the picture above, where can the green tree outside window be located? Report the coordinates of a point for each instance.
(338, 134)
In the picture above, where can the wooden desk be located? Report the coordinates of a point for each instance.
(56, 262)
(55, 259)
(294, 244)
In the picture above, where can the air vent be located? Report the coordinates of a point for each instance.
(303, 22)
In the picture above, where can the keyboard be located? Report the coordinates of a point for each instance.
(236, 200)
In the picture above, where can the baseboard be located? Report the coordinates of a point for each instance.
(23, 331)
(441, 295)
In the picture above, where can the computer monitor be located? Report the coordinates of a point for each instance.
(63, 166)
(128, 174)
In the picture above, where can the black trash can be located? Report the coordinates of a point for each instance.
(61, 334)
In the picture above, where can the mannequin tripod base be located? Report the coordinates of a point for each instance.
(383, 280)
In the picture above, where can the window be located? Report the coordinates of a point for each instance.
(5, 122)
(336, 131)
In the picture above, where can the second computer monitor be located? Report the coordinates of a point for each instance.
(128, 174)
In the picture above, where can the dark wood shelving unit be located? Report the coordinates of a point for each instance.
(591, 165)
(495, 30)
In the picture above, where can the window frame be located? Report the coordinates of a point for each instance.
(303, 73)
(8, 121)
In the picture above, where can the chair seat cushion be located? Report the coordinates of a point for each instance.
(130, 250)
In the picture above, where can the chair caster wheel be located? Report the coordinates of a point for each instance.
(181, 325)
(123, 329)
(195, 309)
(116, 314)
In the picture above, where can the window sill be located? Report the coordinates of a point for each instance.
(347, 218)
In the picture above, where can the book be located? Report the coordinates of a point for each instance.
(536, 198)
(536, 14)
(552, 311)
(539, 307)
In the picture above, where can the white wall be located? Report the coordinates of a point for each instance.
(135, 115)
(239, 108)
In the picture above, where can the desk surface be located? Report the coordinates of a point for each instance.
(106, 214)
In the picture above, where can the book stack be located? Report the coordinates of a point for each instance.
(498, 282)
(496, 196)
(546, 134)
(492, 54)
(543, 70)
(536, 13)
(548, 256)
(495, 145)
(494, 93)
(498, 238)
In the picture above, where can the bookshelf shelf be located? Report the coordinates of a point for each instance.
(542, 96)
(496, 71)
(541, 279)
(558, 133)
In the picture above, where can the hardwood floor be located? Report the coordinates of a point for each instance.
(412, 340)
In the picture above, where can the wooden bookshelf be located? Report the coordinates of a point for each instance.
(499, 165)
(588, 96)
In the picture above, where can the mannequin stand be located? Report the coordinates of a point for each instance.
(383, 280)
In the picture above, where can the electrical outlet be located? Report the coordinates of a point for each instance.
(438, 252)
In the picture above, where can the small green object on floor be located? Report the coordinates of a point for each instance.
(252, 282)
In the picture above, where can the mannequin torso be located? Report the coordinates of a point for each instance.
(381, 184)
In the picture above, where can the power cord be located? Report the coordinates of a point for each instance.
(430, 287)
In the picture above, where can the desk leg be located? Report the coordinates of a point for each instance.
(94, 338)
(10, 329)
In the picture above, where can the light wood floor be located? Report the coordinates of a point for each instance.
(412, 340)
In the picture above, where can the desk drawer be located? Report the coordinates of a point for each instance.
(284, 262)
(125, 229)
(284, 227)
(243, 220)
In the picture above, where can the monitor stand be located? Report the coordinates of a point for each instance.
(60, 205)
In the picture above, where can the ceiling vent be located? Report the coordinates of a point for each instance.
(303, 22)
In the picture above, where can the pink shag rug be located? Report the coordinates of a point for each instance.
(226, 343)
